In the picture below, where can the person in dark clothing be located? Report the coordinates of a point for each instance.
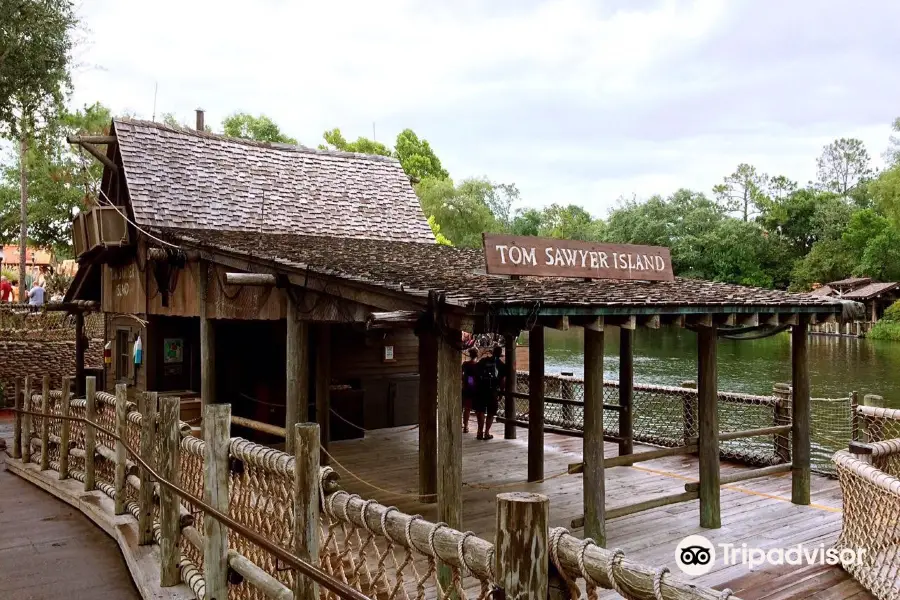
(469, 386)
(491, 377)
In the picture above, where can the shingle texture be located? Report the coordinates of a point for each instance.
(417, 268)
(871, 290)
(186, 179)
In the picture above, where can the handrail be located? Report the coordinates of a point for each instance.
(311, 571)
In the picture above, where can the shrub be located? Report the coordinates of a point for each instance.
(892, 314)
(12, 275)
(885, 330)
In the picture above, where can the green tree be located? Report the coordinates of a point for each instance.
(885, 190)
(36, 41)
(439, 237)
(892, 155)
(261, 128)
(570, 222)
(527, 222)
(805, 216)
(461, 210)
(742, 191)
(843, 165)
(334, 140)
(828, 260)
(417, 157)
(169, 118)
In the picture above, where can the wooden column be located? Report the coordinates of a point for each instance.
(708, 430)
(800, 412)
(121, 424)
(323, 388)
(536, 403)
(65, 427)
(90, 434)
(626, 391)
(26, 421)
(428, 468)
(297, 367)
(169, 514)
(207, 338)
(80, 348)
(306, 504)
(17, 432)
(148, 410)
(509, 402)
(449, 429)
(521, 544)
(45, 424)
(217, 433)
(594, 476)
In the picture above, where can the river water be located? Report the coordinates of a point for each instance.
(667, 356)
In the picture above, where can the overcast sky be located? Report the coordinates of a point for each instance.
(575, 101)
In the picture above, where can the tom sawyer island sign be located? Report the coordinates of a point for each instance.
(543, 257)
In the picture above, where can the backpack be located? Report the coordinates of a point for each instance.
(488, 374)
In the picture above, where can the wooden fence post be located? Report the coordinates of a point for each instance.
(708, 428)
(26, 421)
(782, 393)
(45, 424)
(217, 433)
(17, 432)
(800, 413)
(306, 505)
(521, 544)
(64, 428)
(90, 434)
(121, 424)
(854, 418)
(170, 467)
(148, 440)
(594, 491)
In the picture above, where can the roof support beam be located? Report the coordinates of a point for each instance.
(748, 320)
(99, 156)
(397, 318)
(699, 320)
(561, 323)
(649, 321)
(259, 279)
(590, 323)
(629, 322)
(91, 139)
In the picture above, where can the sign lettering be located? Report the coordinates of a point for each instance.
(544, 257)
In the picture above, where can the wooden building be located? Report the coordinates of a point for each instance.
(875, 296)
(299, 284)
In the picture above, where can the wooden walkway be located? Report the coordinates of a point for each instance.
(50, 550)
(756, 512)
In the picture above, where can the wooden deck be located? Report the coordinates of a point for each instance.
(756, 512)
(50, 550)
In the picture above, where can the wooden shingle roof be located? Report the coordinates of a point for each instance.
(194, 180)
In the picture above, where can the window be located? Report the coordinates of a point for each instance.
(123, 354)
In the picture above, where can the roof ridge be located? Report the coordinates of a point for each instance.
(299, 148)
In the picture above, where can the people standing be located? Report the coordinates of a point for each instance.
(469, 386)
(6, 289)
(36, 294)
(491, 375)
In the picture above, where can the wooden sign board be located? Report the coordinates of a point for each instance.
(545, 257)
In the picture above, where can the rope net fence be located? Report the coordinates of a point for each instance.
(667, 416)
(26, 323)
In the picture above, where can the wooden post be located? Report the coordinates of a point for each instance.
(80, 344)
(521, 544)
(148, 410)
(428, 469)
(65, 427)
(509, 402)
(26, 421)
(90, 434)
(708, 430)
(782, 394)
(626, 391)
(207, 338)
(297, 366)
(800, 443)
(169, 514)
(17, 432)
(306, 505)
(121, 457)
(594, 475)
(323, 389)
(45, 424)
(874, 400)
(536, 403)
(854, 418)
(449, 430)
(217, 434)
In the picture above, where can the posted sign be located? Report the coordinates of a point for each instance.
(545, 257)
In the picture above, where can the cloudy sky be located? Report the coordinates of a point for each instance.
(578, 101)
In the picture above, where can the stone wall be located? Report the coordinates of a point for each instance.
(57, 359)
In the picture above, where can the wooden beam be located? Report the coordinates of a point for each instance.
(630, 459)
(258, 426)
(676, 321)
(708, 430)
(769, 319)
(91, 139)
(80, 348)
(297, 371)
(323, 388)
(428, 390)
(396, 318)
(100, 156)
(555, 322)
(207, 338)
(649, 321)
(791, 319)
(522, 545)
(743, 475)
(627, 322)
(306, 505)
(449, 424)
(509, 401)
(747, 433)
(216, 475)
(699, 320)
(535, 403)
(260, 279)
(594, 477)
(727, 320)
(592, 323)
(800, 413)
(626, 391)
(748, 320)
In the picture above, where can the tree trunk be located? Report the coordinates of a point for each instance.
(23, 227)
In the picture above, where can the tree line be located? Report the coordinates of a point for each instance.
(753, 228)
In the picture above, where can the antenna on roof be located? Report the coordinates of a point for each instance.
(155, 90)
(373, 131)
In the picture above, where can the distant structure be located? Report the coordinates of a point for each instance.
(876, 296)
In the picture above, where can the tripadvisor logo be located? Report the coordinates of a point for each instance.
(695, 555)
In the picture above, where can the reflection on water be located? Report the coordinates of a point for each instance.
(667, 356)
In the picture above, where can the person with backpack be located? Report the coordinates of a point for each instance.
(469, 386)
(491, 375)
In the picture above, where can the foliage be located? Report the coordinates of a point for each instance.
(439, 237)
(171, 120)
(261, 128)
(461, 211)
(843, 165)
(885, 330)
(335, 140)
(11, 275)
(418, 159)
(885, 192)
(36, 41)
(892, 155)
(57, 283)
(892, 313)
(742, 191)
(828, 260)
